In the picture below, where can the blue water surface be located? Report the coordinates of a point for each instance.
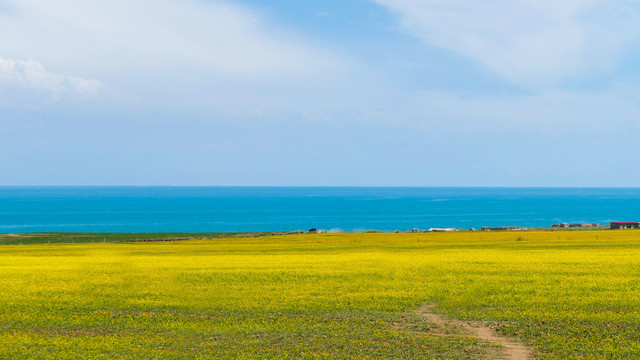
(230, 209)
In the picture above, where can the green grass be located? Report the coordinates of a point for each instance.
(569, 295)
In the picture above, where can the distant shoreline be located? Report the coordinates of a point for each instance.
(133, 237)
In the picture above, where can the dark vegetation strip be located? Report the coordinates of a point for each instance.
(80, 238)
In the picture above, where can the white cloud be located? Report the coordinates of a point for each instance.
(32, 74)
(157, 37)
(529, 42)
(216, 60)
(187, 54)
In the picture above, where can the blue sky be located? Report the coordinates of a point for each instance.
(349, 92)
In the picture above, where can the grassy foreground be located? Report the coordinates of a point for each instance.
(572, 295)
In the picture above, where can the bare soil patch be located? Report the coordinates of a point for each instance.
(512, 348)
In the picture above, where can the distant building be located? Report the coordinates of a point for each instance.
(618, 225)
(442, 230)
(566, 225)
(583, 225)
(504, 228)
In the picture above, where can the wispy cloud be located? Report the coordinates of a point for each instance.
(32, 74)
(160, 53)
(159, 36)
(529, 42)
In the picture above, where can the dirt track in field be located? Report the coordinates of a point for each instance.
(512, 349)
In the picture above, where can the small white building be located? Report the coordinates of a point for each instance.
(442, 230)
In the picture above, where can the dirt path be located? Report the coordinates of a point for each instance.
(512, 348)
(10, 235)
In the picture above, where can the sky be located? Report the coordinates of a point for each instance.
(320, 93)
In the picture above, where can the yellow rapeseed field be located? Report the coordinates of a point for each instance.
(573, 295)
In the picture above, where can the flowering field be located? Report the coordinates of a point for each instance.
(564, 294)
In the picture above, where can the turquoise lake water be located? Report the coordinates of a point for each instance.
(213, 209)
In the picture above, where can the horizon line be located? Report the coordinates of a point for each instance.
(324, 186)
